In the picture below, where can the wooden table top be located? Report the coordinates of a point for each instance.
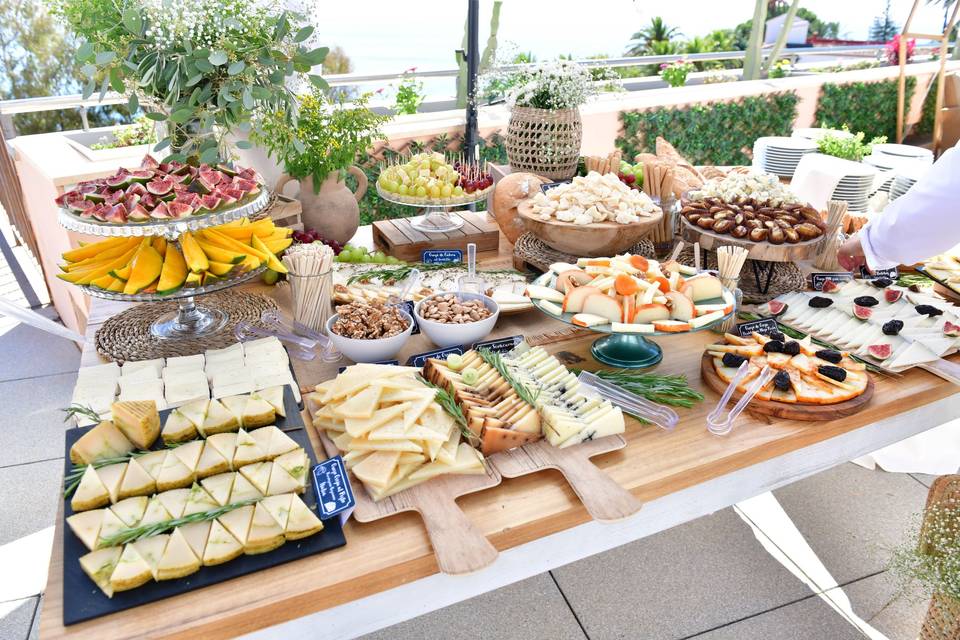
(394, 551)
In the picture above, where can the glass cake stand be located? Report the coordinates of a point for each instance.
(438, 215)
(623, 350)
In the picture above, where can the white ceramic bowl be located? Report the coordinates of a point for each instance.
(443, 334)
(373, 350)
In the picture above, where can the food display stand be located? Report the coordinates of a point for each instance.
(388, 573)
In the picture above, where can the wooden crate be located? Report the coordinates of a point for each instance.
(286, 213)
(397, 238)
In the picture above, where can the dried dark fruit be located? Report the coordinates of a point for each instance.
(881, 283)
(892, 327)
(733, 360)
(782, 381)
(791, 348)
(773, 346)
(777, 335)
(830, 355)
(928, 310)
(819, 302)
(834, 373)
(866, 301)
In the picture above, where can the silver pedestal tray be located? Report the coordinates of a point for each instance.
(438, 215)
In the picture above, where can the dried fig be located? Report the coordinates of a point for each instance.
(791, 235)
(693, 217)
(807, 231)
(723, 226)
(758, 235)
(705, 222)
(739, 231)
(776, 236)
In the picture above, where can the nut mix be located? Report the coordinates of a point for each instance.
(450, 309)
(750, 219)
(369, 321)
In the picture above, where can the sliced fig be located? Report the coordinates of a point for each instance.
(209, 202)
(892, 295)
(880, 351)
(117, 181)
(161, 212)
(149, 162)
(136, 188)
(142, 176)
(138, 214)
(201, 185)
(829, 286)
(950, 329)
(179, 209)
(80, 206)
(117, 214)
(776, 307)
(862, 312)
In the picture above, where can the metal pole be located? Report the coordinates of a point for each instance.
(471, 135)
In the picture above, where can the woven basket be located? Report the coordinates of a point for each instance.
(544, 141)
(943, 614)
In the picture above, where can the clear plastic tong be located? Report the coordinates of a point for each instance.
(720, 424)
(664, 417)
(301, 341)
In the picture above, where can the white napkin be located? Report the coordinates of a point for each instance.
(816, 179)
(936, 452)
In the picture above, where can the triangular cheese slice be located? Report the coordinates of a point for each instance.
(189, 454)
(262, 437)
(136, 481)
(196, 534)
(295, 462)
(302, 522)
(178, 559)
(90, 493)
(195, 411)
(361, 405)
(131, 571)
(243, 490)
(178, 428)
(258, 413)
(152, 462)
(99, 566)
(258, 474)
(385, 445)
(282, 481)
(273, 395)
(237, 522)
(198, 501)
(130, 510)
(151, 550)
(225, 444)
(86, 526)
(357, 427)
(221, 546)
(174, 474)
(280, 443)
(219, 487)
(248, 451)
(112, 477)
(219, 419)
(174, 501)
(110, 525)
(377, 469)
(155, 512)
(211, 462)
(412, 414)
(448, 452)
(277, 506)
(265, 534)
(235, 405)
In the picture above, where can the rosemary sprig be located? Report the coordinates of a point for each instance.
(663, 389)
(445, 400)
(495, 360)
(123, 536)
(77, 409)
(72, 480)
(917, 280)
(392, 274)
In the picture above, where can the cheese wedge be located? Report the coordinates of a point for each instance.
(211, 462)
(273, 395)
(589, 320)
(174, 474)
(225, 444)
(112, 477)
(178, 428)
(218, 419)
(235, 405)
(99, 566)
(247, 451)
(357, 427)
(626, 327)
(151, 550)
(258, 474)
(110, 525)
(302, 522)
(264, 534)
(101, 442)
(90, 493)
(258, 413)
(195, 411)
(86, 526)
(537, 292)
(131, 510)
(278, 506)
(174, 501)
(155, 512)
(221, 546)
(280, 443)
(237, 522)
(551, 307)
(152, 463)
(131, 571)
(178, 559)
(284, 480)
(196, 534)
(362, 405)
(219, 487)
(138, 420)
(189, 453)
(242, 490)
(262, 437)
(377, 468)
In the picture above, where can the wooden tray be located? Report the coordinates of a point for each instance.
(458, 545)
(82, 600)
(397, 238)
(603, 498)
(785, 410)
(588, 240)
(757, 250)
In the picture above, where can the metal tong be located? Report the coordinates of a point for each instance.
(664, 417)
(720, 424)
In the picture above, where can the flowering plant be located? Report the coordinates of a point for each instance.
(781, 69)
(931, 561)
(203, 68)
(557, 84)
(409, 93)
(893, 49)
(675, 73)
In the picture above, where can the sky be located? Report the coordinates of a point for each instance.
(382, 36)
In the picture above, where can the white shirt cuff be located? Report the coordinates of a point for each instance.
(874, 261)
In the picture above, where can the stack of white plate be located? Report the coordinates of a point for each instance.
(780, 155)
(901, 152)
(855, 189)
(906, 177)
(815, 133)
(889, 165)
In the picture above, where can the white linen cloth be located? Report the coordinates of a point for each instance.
(935, 452)
(919, 224)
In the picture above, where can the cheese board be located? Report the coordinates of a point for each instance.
(82, 600)
(603, 498)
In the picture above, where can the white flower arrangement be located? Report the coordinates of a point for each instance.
(557, 84)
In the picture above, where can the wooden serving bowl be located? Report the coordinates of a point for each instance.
(586, 240)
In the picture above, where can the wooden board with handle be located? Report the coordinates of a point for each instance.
(603, 498)
(459, 546)
(785, 410)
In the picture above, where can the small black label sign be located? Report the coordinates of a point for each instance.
(546, 186)
(419, 359)
(818, 279)
(499, 345)
(893, 273)
(764, 326)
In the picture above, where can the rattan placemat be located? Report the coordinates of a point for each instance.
(530, 251)
(263, 213)
(126, 336)
(786, 276)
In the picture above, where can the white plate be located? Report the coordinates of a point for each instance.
(902, 150)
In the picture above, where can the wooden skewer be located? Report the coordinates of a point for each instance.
(696, 256)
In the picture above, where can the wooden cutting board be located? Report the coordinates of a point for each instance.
(603, 498)
(458, 545)
(757, 250)
(785, 410)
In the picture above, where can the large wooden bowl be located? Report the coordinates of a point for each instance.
(586, 240)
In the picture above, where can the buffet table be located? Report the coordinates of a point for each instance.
(387, 572)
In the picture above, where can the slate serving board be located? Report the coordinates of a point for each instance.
(83, 600)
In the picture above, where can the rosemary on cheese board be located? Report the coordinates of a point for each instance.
(123, 536)
(75, 410)
(663, 389)
(396, 273)
(445, 400)
(496, 361)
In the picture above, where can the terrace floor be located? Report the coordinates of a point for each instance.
(807, 561)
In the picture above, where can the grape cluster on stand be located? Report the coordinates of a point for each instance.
(350, 253)
(312, 235)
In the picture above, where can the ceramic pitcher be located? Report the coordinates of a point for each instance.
(334, 211)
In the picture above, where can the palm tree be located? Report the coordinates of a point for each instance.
(657, 31)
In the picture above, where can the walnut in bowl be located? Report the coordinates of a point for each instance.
(369, 332)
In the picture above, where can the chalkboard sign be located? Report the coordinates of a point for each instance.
(546, 186)
(893, 273)
(441, 256)
(499, 345)
(418, 360)
(764, 326)
(818, 279)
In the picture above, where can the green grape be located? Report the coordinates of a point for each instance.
(446, 190)
(458, 190)
(434, 192)
(421, 192)
(378, 257)
(392, 260)
(402, 190)
(361, 250)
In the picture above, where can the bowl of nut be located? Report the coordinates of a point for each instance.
(454, 318)
(369, 331)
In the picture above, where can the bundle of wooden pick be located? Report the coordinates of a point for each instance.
(310, 272)
(827, 251)
(610, 164)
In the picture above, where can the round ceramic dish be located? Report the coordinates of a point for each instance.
(445, 334)
(372, 350)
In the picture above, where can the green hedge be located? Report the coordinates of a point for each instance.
(713, 133)
(870, 107)
(925, 126)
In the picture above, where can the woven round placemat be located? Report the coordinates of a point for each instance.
(263, 213)
(126, 336)
(531, 250)
(786, 276)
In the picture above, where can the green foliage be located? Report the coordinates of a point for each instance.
(327, 138)
(818, 28)
(929, 111)
(675, 74)
(409, 94)
(713, 133)
(656, 31)
(870, 107)
(884, 28)
(846, 147)
(141, 131)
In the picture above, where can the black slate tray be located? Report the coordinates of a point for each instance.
(83, 600)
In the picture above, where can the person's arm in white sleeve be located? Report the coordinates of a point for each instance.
(922, 223)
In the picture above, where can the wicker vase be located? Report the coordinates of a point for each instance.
(544, 141)
(943, 614)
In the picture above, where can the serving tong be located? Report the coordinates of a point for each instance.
(302, 342)
(412, 280)
(471, 283)
(719, 424)
(664, 417)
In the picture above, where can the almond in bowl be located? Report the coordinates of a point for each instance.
(454, 318)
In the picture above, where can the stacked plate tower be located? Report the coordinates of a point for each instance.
(780, 155)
